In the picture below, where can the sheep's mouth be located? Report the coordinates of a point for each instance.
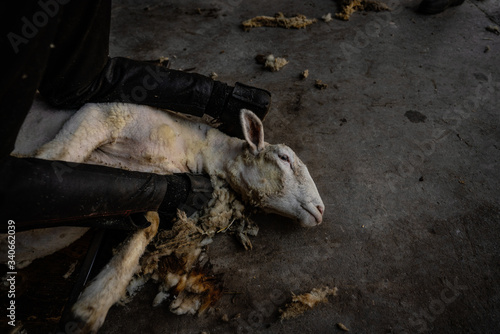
(311, 209)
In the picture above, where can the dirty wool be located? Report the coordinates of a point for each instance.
(274, 64)
(349, 7)
(176, 259)
(278, 20)
(306, 301)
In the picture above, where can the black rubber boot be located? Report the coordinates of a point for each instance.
(431, 7)
(37, 193)
(188, 192)
(226, 102)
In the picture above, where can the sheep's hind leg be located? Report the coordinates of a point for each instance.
(79, 137)
(110, 284)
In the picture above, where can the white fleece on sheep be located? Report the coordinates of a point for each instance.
(110, 284)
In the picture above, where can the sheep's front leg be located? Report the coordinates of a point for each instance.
(110, 284)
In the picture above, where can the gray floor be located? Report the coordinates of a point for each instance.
(404, 145)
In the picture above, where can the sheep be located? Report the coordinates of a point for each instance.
(142, 138)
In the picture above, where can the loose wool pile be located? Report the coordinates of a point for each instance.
(175, 257)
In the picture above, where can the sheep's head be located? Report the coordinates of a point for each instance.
(273, 178)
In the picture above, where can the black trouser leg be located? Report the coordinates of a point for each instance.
(41, 193)
(139, 82)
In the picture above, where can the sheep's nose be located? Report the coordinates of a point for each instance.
(320, 208)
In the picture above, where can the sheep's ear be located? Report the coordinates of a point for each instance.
(253, 130)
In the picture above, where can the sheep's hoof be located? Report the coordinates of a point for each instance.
(242, 229)
(244, 240)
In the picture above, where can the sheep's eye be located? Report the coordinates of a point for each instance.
(284, 157)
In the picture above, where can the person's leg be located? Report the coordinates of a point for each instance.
(79, 55)
(57, 193)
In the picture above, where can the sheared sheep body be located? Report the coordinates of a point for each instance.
(145, 139)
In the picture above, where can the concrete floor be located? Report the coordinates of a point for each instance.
(404, 145)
